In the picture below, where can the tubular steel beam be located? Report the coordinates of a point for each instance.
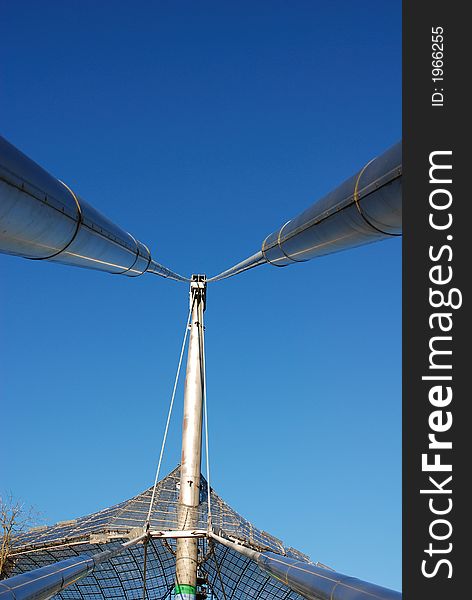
(364, 209)
(190, 469)
(46, 582)
(42, 218)
(312, 582)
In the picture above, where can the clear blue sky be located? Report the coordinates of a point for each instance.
(200, 127)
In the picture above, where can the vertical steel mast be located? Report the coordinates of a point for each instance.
(186, 554)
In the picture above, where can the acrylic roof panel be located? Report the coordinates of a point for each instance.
(228, 574)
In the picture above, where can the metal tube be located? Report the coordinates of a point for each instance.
(42, 218)
(317, 583)
(364, 209)
(244, 265)
(311, 581)
(46, 582)
(189, 498)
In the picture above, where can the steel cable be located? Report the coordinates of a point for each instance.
(169, 414)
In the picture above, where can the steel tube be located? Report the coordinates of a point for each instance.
(366, 208)
(46, 582)
(311, 581)
(244, 265)
(42, 218)
(317, 583)
(190, 469)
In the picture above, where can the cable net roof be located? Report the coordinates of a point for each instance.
(227, 573)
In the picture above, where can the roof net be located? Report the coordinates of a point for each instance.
(226, 573)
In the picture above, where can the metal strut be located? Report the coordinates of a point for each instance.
(190, 471)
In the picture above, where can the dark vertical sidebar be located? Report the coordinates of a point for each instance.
(437, 435)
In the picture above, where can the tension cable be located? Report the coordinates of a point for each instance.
(169, 414)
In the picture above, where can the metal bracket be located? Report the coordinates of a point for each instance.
(189, 533)
(103, 537)
(198, 289)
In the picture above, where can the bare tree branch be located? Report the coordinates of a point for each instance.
(15, 518)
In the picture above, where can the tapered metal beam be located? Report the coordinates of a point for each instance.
(366, 208)
(311, 581)
(46, 582)
(42, 218)
(190, 469)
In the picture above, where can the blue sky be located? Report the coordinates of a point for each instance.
(200, 128)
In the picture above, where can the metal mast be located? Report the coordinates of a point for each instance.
(187, 551)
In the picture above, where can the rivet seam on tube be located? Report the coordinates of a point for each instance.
(281, 248)
(358, 205)
(74, 235)
(263, 250)
(136, 258)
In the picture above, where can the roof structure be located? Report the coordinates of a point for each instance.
(227, 573)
